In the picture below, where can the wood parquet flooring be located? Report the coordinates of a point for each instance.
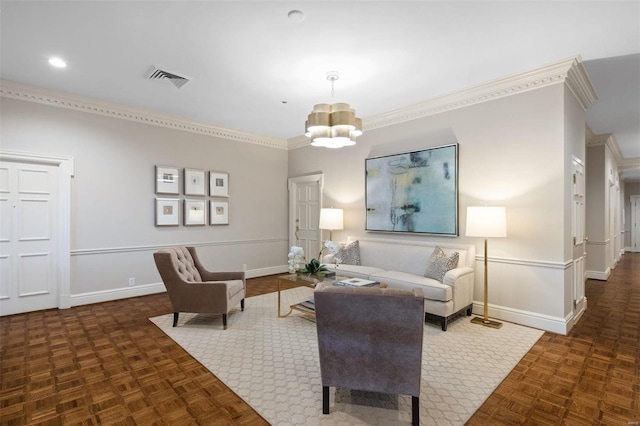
(108, 364)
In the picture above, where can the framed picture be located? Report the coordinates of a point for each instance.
(167, 212)
(218, 184)
(414, 192)
(167, 180)
(194, 182)
(195, 212)
(219, 213)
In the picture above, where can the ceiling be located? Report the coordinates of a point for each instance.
(254, 69)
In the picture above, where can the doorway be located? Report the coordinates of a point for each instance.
(35, 201)
(305, 201)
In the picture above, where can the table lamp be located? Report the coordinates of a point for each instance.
(487, 222)
(331, 219)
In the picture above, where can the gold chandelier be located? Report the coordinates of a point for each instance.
(335, 125)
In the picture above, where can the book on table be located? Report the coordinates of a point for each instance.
(356, 282)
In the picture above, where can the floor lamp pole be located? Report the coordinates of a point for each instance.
(485, 320)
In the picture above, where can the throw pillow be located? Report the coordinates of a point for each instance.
(439, 263)
(349, 255)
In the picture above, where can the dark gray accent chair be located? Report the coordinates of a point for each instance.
(370, 339)
(192, 288)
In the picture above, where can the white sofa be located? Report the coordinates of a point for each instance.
(401, 264)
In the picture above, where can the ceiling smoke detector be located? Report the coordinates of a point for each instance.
(156, 73)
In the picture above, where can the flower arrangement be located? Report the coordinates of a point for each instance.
(296, 259)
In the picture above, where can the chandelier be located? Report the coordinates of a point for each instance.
(333, 126)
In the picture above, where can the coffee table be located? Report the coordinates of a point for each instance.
(306, 306)
(303, 281)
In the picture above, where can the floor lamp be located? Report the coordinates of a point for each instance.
(331, 219)
(487, 222)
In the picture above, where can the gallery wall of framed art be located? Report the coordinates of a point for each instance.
(194, 183)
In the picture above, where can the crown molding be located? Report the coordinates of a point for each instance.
(25, 92)
(629, 163)
(608, 139)
(569, 71)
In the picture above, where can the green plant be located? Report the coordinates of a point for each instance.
(313, 267)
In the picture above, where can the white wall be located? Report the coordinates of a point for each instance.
(113, 233)
(512, 153)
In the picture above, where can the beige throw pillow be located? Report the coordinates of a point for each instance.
(349, 255)
(439, 263)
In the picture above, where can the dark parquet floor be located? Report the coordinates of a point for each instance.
(108, 364)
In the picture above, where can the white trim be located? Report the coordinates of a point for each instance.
(529, 319)
(263, 272)
(116, 294)
(131, 249)
(24, 92)
(598, 275)
(569, 71)
(66, 171)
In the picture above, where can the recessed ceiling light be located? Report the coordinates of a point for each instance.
(296, 15)
(57, 62)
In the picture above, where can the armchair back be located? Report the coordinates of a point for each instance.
(370, 338)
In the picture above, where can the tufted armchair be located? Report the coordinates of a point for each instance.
(191, 288)
(370, 339)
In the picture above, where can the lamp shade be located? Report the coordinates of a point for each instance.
(486, 221)
(331, 219)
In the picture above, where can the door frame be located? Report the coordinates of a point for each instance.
(63, 246)
(293, 200)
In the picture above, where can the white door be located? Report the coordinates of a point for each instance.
(305, 201)
(635, 223)
(579, 223)
(28, 237)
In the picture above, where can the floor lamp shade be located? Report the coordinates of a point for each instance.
(331, 219)
(487, 222)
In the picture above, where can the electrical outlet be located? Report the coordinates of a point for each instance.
(132, 282)
(244, 266)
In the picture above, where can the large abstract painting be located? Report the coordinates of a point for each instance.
(414, 192)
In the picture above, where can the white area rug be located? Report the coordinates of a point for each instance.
(272, 363)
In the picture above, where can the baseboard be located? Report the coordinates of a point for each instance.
(598, 275)
(116, 294)
(530, 319)
(272, 270)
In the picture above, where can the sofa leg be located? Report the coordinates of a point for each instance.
(224, 321)
(325, 400)
(415, 410)
(242, 305)
(175, 319)
(443, 323)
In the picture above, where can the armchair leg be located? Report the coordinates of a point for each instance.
(224, 321)
(415, 410)
(242, 304)
(325, 400)
(175, 319)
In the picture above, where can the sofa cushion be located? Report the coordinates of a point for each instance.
(431, 288)
(439, 263)
(349, 254)
(355, 271)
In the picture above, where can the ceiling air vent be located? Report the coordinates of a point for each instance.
(157, 74)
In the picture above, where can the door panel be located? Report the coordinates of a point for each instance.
(305, 202)
(28, 208)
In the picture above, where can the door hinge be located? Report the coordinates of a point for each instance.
(574, 178)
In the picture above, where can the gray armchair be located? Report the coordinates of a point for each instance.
(370, 339)
(192, 288)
